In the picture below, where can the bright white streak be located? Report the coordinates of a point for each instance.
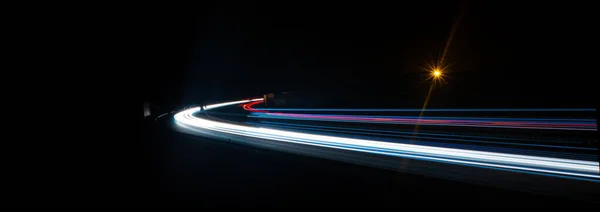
(208, 107)
(500, 160)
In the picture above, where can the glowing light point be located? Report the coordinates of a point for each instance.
(436, 73)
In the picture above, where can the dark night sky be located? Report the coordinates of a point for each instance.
(504, 54)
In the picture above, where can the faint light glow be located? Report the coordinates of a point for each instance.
(146, 109)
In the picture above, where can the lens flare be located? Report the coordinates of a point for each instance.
(437, 73)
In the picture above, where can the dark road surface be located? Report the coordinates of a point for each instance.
(210, 172)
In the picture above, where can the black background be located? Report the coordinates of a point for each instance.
(504, 54)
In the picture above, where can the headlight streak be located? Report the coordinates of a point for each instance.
(435, 143)
(569, 167)
(408, 132)
(208, 107)
(421, 137)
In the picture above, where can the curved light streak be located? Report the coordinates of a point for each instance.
(436, 110)
(548, 165)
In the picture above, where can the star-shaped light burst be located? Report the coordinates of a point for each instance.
(437, 73)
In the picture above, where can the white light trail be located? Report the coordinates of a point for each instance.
(549, 165)
(208, 107)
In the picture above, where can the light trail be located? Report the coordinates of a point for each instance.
(208, 107)
(407, 120)
(433, 110)
(420, 135)
(515, 123)
(535, 164)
